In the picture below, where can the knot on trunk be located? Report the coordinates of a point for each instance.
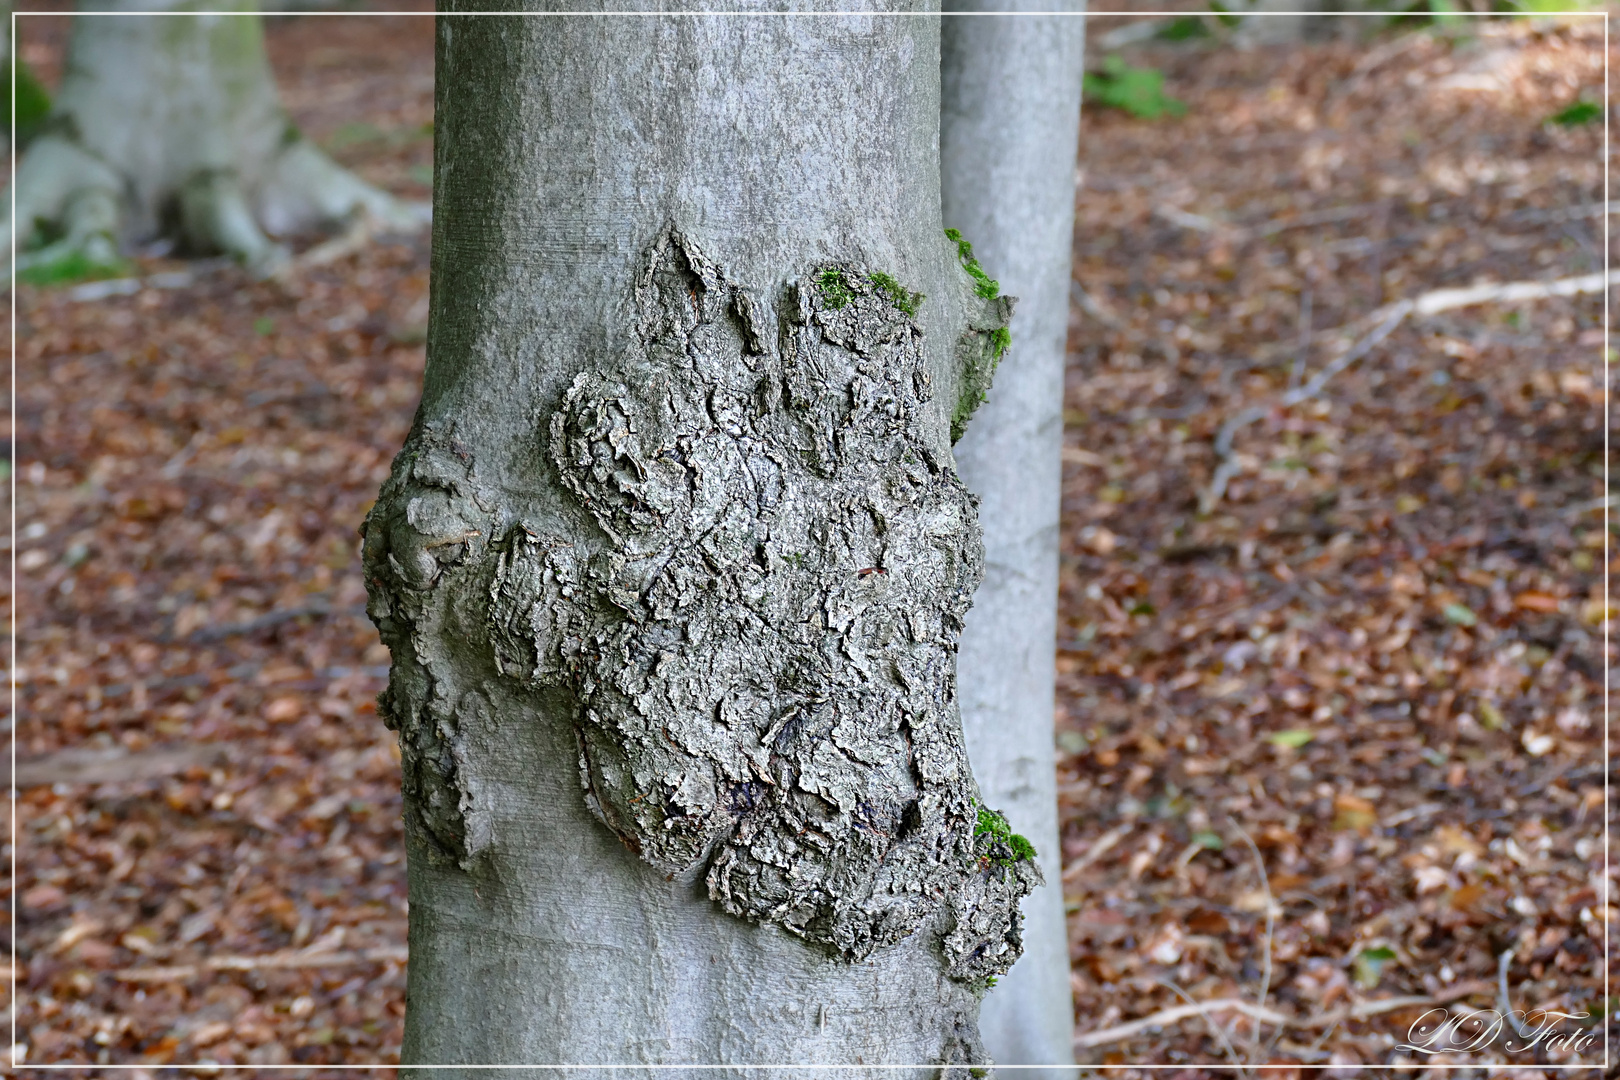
(762, 650)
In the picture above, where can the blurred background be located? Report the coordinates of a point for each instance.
(1332, 628)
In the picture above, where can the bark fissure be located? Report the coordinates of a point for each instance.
(759, 643)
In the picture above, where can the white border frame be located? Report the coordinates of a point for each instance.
(1608, 518)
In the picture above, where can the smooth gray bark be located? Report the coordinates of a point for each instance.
(1009, 128)
(674, 560)
(170, 123)
(1282, 22)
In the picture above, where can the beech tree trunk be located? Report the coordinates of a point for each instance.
(674, 561)
(1009, 129)
(169, 124)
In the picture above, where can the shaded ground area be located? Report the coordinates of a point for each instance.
(193, 464)
(1378, 656)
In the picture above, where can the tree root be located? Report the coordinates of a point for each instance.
(64, 190)
(305, 189)
(59, 184)
(215, 217)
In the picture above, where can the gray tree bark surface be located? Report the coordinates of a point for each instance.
(1009, 129)
(674, 561)
(169, 123)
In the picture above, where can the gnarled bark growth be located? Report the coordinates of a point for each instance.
(168, 123)
(760, 646)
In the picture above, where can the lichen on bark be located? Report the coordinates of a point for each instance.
(758, 646)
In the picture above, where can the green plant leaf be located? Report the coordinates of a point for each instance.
(1444, 11)
(1548, 7)
(1185, 28)
(1293, 738)
(33, 103)
(1461, 614)
(1224, 14)
(1138, 91)
(1368, 965)
(1581, 112)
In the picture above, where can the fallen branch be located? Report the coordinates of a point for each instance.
(1092, 306)
(1361, 1010)
(1214, 1028)
(1195, 222)
(1228, 467)
(268, 620)
(356, 235)
(395, 954)
(1330, 216)
(1502, 1002)
(1513, 292)
(1271, 926)
(1387, 318)
(1104, 844)
(1175, 1014)
(112, 765)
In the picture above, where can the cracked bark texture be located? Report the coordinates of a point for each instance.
(169, 124)
(675, 558)
(1009, 126)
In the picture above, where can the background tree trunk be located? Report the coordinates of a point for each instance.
(1008, 140)
(677, 520)
(169, 124)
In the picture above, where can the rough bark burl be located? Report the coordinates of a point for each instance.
(760, 643)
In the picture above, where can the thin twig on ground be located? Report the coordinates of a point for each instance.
(1388, 318)
(1502, 1001)
(1361, 1010)
(271, 619)
(116, 764)
(395, 954)
(1271, 924)
(1104, 844)
(1093, 307)
(1172, 1015)
(1229, 467)
(1214, 1028)
(93, 291)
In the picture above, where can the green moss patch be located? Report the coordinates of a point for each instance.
(984, 284)
(32, 103)
(835, 291)
(901, 297)
(75, 266)
(994, 826)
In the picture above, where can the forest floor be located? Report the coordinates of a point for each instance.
(1329, 744)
